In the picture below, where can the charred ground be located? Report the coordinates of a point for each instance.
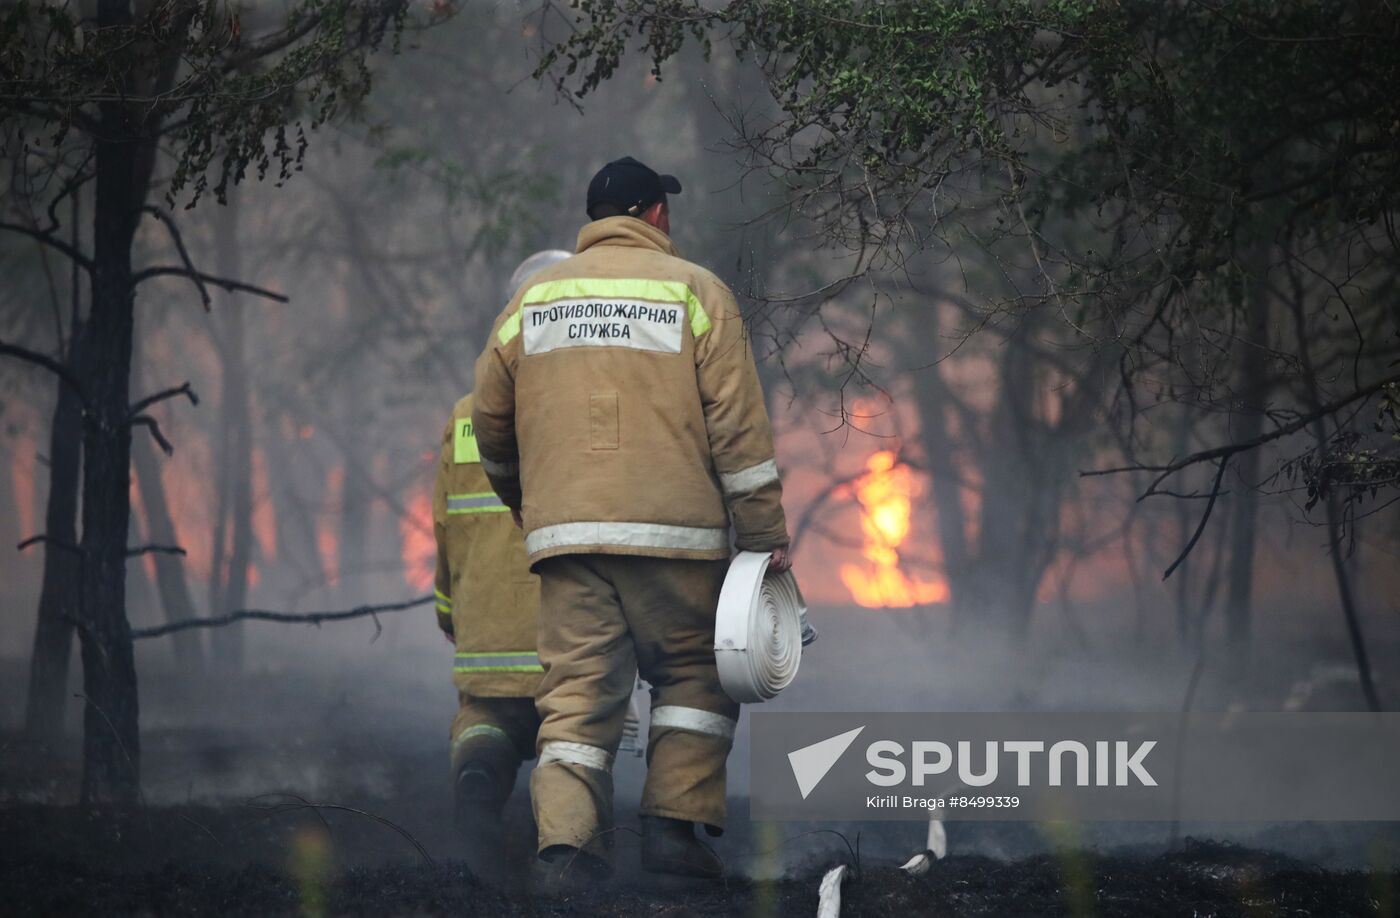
(186, 861)
(361, 853)
(233, 766)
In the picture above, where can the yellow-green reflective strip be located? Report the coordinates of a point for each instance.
(444, 608)
(464, 444)
(442, 597)
(510, 328)
(480, 502)
(522, 661)
(632, 288)
(490, 730)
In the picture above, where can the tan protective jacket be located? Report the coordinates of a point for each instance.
(640, 421)
(487, 599)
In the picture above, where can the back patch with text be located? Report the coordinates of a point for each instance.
(595, 322)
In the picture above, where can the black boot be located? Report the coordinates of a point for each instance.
(483, 783)
(478, 817)
(670, 846)
(563, 870)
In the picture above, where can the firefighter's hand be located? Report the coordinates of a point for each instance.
(515, 515)
(780, 561)
(451, 639)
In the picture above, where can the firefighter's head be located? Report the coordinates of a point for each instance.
(625, 187)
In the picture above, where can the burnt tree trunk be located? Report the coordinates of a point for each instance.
(174, 592)
(60, 596)
(936, 406)
(111, 741)
(124, 154)
(236, 457)
(355, 506)
(296, 540)
(1002, 568)
(1253, 389)
(1346, 593)
(1336, 549)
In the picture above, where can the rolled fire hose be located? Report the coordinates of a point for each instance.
(760, 629)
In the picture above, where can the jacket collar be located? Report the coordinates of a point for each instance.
(624, 231)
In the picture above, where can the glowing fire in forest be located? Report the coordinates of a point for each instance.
(22, 478)
(419, 546)
(327, 539)
(885, 493)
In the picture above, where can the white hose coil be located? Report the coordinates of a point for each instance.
(760, 628)
(829, 893)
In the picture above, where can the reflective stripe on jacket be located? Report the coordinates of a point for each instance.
(617, 404)
(487, 599)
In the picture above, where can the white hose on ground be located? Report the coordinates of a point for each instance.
(829, 893)
(935, 849)
(760, 629)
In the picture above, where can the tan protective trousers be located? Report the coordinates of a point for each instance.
(602, 617)
(497, 731)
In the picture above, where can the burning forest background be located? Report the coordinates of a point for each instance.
(1025, 353)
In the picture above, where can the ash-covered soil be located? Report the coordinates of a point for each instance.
(289, 793)
(186, 861)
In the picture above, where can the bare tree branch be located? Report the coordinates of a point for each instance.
(150, 424)
(175, 237)
(51, 241)
(136, 550)
(1201, 526)
(232, 286)
(48, 363)
(183, 389)
(303, 804)
(48, 540)
(308, 618)
(1230, 449)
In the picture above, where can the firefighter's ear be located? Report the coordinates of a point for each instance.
(658, 215)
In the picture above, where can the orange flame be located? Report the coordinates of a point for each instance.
(886, 493)
(419, 546)
(264, 514)
(327, 539)
(22, 479)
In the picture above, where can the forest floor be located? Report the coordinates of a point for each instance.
(368, 853)
(301, 791)
(57, 862)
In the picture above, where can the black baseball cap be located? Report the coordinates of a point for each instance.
(630, 186)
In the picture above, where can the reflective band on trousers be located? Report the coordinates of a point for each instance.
(693, 719)
(444, 602)
(576, 754)
(500, 469)
(643, 535)
(524, 661)
(749, 479)
(480, 502)
(759, 629)
(474, 730)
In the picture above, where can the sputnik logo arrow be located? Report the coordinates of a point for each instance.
(811, 763)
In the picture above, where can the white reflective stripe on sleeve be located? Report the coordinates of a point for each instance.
(641, 535)
(693, 719)
(749, 479)
(500, 469)
(576, 754)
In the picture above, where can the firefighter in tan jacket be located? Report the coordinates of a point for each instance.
(618, 412)
(488, 604)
